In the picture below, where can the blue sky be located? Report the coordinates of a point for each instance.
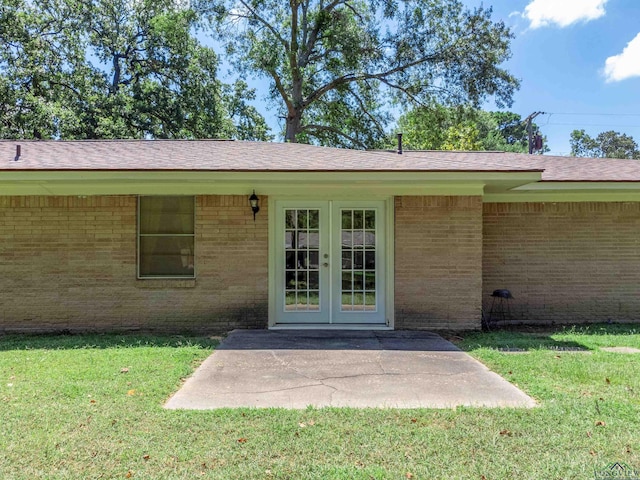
(578, 61)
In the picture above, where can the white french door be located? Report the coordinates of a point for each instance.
(329, 262)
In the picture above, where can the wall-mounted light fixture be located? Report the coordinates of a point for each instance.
(253, 201)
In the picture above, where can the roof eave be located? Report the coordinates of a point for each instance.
(110, 182)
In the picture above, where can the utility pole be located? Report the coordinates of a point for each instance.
(529, 121)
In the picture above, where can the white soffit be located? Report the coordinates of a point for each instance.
(265, 183)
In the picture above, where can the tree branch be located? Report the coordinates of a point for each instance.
(313, 36)
(354, 11)
(365, 110)
(404, 90)
(305, 24)
(281, 90)
(351, 77)
(68, 87)
(261, 20)
(329, 128)
(293, 52)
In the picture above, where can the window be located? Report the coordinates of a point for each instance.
(166, 236)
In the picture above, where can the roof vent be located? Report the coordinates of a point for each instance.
(399, 144)
(17, 153)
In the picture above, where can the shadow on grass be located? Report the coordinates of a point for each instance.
(99, 341)
(525, 338)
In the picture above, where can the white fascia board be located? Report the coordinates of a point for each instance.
(320, 190)
(562, 197)
(268, 183)
(573, 186)
(568, 192)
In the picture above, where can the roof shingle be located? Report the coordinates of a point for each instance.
(223, 155)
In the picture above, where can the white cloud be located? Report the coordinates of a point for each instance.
(626, 64)
(563, 12)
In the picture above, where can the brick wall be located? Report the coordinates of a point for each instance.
(438, 262)
(564, 262)
(70, 263)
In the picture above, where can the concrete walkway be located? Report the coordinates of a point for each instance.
(299, 368)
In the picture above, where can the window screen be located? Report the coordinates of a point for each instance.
(166, 227)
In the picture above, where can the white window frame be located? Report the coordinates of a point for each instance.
(140, 235)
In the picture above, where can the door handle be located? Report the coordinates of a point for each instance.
(325, 264)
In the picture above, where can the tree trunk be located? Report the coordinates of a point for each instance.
(293, 127)
(115, 83)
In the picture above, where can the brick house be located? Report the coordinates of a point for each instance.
(160, 235)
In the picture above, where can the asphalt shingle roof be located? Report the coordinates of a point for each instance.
(222, 155)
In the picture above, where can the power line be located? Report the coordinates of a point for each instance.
(594, 125)
(597, 114)
(549, 123)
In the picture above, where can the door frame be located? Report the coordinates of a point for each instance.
(388, 252)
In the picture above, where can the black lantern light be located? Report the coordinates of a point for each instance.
(253, 201)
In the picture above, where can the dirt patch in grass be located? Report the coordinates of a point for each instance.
(621, 349)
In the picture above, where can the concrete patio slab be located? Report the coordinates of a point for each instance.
(331, 368)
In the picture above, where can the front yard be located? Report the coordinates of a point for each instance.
(91, 407)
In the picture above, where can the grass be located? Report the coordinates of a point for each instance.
(91, 407)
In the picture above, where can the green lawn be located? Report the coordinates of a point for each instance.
(91, 407)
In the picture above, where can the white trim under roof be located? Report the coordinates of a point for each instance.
(265, 183)
(568, 192)
(566, 186)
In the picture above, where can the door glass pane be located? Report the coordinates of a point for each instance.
(290, 260)
(314, 219)
(347, 301)
(314, 300)
(370, 301)
(347, 238)
(288, 240)
(290, 219)
(290, 301)
(358, 235)
(314, 257)
(358, 280)
(358, 239)
(314, 239)
(347, 280)
(302, 275)
(302, 239)
(370, 260)
(302, 216)
(370, 238)
(370, 219)
(358, 260)
(303, 260)
(370, 281)
(347, 220)
(358, 219)
(290, 280)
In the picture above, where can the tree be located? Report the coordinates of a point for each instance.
(607, 144)
(505, 131)
(463, 128)
(78, 69)
(31, 72)
(334, 65)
